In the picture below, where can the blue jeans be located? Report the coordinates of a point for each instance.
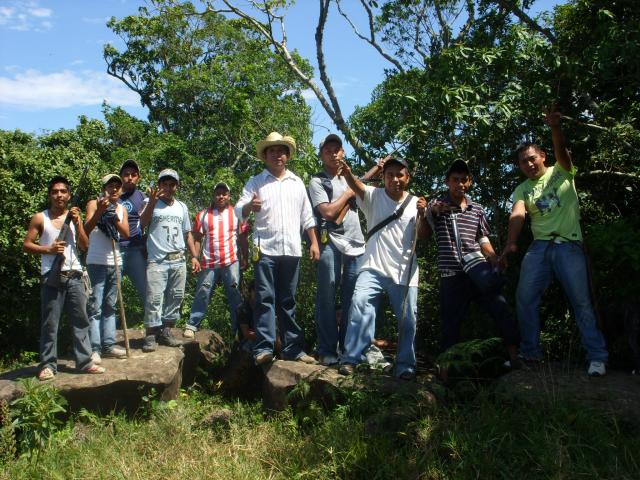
(71, 298)
(276, 279)
(566, 261)
(165, 291)
(336, 271)
(134, 266)
(456, 292)
(207, 279)
(102, 307)
(370, 287)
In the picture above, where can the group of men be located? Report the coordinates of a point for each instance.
(354, 270)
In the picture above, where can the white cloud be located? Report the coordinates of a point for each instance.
(33, 90)
(25, 15)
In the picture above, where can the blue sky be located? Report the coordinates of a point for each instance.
(52, 70)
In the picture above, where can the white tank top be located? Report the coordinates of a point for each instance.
(100, 247)
(49, 235)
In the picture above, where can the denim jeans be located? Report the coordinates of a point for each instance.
(370, 287)
(456, 292)
(276, 279)
(71, 298)
(165, 291)
(207, 279)
(336, 272)
(565, 261)
(102, 307)
(134, 266)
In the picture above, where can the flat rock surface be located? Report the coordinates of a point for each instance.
(618, 391)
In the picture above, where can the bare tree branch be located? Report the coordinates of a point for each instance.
(526, 19)
(371, 39)
(628, 175)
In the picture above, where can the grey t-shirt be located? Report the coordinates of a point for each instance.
(168, 226)
(351, 242)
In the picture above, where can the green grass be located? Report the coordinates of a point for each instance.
(365, 438)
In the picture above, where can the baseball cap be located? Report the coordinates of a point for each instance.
(458, 165)
(332, 137)
(129, 164)
(168, 172)
(109, 177)
(398, 160)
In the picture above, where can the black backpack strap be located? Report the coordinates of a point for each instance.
(395, 215)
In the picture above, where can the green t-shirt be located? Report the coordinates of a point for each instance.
(552, 203)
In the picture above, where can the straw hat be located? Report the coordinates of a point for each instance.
(274, 138)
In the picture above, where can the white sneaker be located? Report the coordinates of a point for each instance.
(95, 358)
(115, 352)
(188, 333)
(375, 358)
(596, 369)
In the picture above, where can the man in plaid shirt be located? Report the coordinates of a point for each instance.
(217, 233)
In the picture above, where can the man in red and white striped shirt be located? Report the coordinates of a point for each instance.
(217, 233)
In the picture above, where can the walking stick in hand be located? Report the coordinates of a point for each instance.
(123, 319)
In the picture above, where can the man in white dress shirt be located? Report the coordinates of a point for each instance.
(281, 206)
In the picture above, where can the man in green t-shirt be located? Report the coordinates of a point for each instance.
(549, 197)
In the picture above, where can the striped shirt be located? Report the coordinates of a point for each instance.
(285, 211)
(472, 228)
(219, 231)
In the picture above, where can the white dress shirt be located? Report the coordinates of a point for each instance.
(285, 211)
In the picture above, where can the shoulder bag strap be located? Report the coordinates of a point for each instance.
(395, 215)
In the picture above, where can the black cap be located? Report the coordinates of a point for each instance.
(398, 160)
(458, 165)
(129, 164)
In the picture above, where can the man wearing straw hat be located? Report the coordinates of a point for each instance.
(281, 206)
(107, 220)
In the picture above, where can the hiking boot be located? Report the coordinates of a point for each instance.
(346, 369)
(150, 344)
(308, 359)
(596, 369)
(263, 358)
(95, 358)
(188, 333)
(167, 339)
(407, 375)
(115, 352)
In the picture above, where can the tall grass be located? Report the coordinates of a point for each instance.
(368, 437)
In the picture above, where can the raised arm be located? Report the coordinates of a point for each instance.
(354, 183)
(560, 151)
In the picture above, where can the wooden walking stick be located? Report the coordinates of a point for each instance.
(123, 319)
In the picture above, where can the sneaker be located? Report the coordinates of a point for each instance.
(115, 352)
(308, 359)
(262, 358)
(346, 369)
(376, 358)
(46, 374)
(167, 339)
(150, 344)
(188, 333)
(328, 360)
(596, 369)
(94, 370)
(95, 358)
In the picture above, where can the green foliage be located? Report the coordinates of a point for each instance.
(7, 436)
(36, 415)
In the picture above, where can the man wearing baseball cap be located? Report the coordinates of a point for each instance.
(279, 201)
(387, 266)
(217, 233)
(341, 245)
(106, 220)
(169, 233)
(133, 249)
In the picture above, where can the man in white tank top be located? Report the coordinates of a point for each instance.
(107, 222)
(70, 296)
